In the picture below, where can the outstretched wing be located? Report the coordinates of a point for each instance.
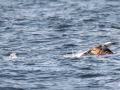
(108, 51)
(87, 51)
(110, 43)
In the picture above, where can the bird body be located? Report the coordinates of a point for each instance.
(13, 56)
(101, 49)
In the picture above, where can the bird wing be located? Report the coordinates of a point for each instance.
(87, 51)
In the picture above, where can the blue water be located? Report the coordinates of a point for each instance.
(41, 32)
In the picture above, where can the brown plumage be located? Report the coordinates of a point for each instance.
(99, 50)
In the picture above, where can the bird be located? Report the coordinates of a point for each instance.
(13, 56)
(101, 49)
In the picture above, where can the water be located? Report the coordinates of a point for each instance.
(42, 32)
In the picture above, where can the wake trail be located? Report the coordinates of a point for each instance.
(78, 54)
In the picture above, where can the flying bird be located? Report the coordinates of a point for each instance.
(101, 49)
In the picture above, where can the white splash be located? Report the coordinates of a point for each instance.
(12, 56)
(78, 54)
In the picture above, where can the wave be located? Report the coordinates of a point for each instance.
(78, 54)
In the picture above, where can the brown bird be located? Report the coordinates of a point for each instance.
(101, 49)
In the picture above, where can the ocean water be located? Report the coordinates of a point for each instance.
(48, 37)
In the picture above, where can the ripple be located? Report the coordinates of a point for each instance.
(70, 45)
(64, 26)
(40, 41)
(116, 27)
(91, 75)
(11, 88)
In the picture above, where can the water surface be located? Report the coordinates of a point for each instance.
(41, 32)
